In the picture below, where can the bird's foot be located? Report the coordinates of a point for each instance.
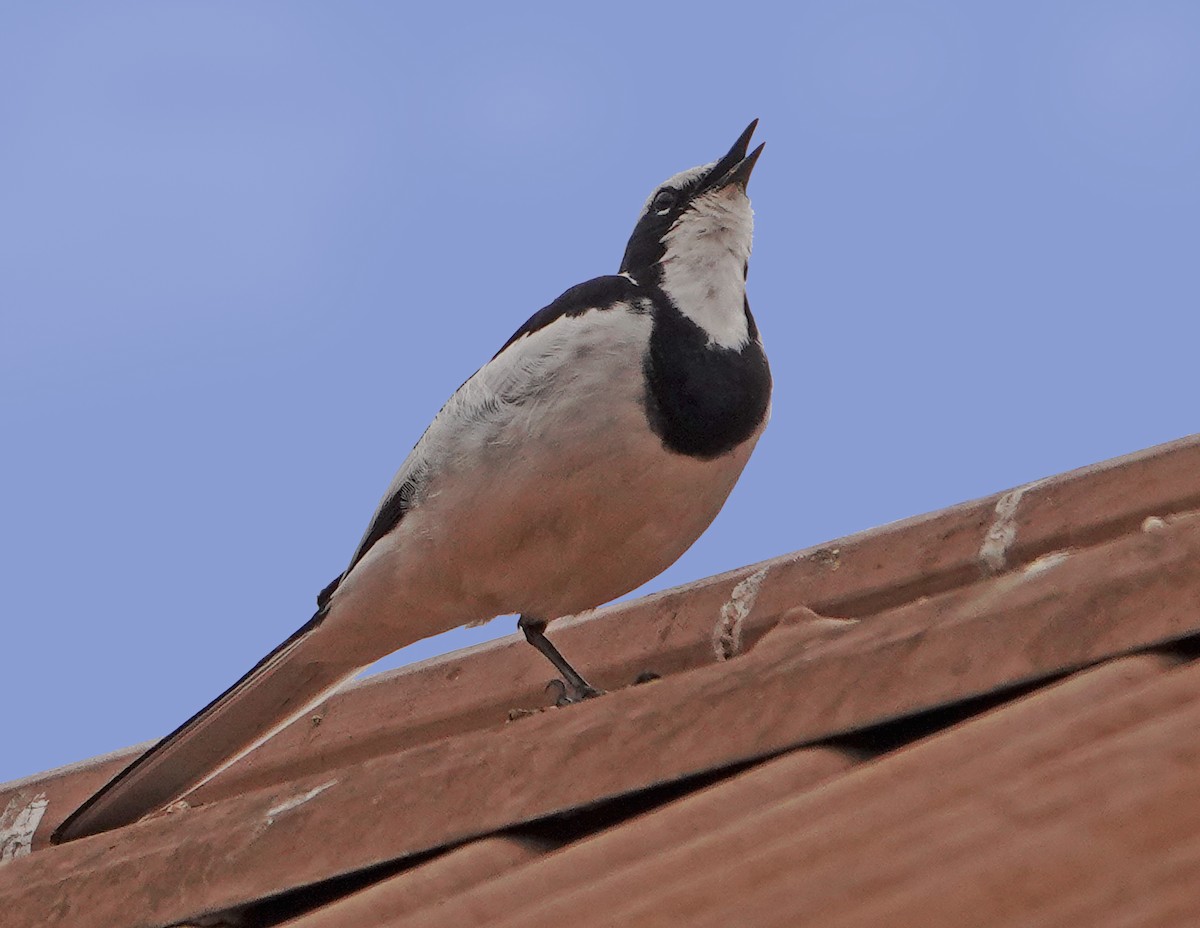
(566, 694)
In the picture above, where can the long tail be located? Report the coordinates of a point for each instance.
(284, 685)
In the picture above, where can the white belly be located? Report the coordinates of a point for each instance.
(603, 519)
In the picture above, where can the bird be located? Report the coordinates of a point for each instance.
(579, 462)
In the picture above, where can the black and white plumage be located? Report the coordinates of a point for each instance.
(579, 462)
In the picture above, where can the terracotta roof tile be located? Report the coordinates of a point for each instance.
(743, 787)
(637, 846)
(445, 877)
(983, 825)
(918, 815)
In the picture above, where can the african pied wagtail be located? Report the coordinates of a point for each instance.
(578, 463)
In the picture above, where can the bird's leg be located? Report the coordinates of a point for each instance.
(576, 688)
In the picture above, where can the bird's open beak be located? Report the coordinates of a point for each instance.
(736, 166)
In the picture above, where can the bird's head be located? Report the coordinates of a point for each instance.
(699, 220)
(693, 241)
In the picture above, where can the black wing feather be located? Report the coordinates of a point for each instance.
(598, 293)
(388, 517)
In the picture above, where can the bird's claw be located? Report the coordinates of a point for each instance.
(567, 695)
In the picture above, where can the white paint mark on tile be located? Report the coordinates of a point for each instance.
(993, 554)
(289, 804)
(1046, 562)
(18, 823)
(727, 636)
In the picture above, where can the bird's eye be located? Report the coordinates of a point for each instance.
(664, 201)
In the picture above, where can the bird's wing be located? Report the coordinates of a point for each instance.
(469, 400)
(599, 293)
(303, 671)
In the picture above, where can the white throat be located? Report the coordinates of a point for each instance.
(703, 270)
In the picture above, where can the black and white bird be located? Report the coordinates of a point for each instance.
(579, 462)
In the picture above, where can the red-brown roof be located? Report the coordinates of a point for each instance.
(985, 716)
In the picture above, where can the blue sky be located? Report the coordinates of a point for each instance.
(247, 250)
